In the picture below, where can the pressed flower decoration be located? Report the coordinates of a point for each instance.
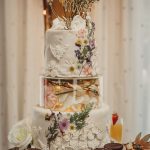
(85, 46)
(59, 125)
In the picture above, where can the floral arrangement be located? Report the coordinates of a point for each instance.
(60, 125)
(139, 143)
(72, 8)
(85, 45)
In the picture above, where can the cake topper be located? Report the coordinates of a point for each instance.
(71, 8)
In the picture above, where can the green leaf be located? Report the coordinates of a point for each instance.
(79, 118)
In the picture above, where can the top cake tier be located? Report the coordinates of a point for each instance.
(71, 53)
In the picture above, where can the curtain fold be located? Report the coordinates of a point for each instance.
(21, 60)
(122, 31)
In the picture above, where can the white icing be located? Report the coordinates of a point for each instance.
(93, 135)
(78, 23)
(58, 24)
(60, 48)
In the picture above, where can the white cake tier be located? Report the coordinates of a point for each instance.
(93, 135)
(70, 53)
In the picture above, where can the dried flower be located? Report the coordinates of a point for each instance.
(64, 124)
(92, 44)
(71, 69)
(85, 41)
(72, 127)
(20, 135)
(87, 69)
(78, 42)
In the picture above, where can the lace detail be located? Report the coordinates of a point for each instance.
(88, 138)
(52, 69)
(58, 50)
(77, 23)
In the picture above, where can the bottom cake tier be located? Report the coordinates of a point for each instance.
(94, 134)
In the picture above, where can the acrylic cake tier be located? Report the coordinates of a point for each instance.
(70, 94)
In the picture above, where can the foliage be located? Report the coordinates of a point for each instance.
(52, 132)
(79, 118)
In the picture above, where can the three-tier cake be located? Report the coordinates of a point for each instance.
(71, 114)
(71, 99)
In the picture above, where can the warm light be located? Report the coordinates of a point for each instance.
(57, 88)
(44, 12)
(58, 105)
(69, 109)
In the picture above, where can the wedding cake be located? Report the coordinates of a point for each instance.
(71, 114)
(70, 87)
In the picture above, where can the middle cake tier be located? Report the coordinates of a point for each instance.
(70, 94)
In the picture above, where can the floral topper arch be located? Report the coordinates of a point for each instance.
(66, 10)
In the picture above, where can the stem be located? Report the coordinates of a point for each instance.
(81, 69)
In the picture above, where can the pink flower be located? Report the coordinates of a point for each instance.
(51, 101)
(50, 98)
(64, 124)
(87, 69)
(81, 33)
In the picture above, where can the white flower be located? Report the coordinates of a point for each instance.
(83, 145)
(78, 23)
(94, 143)
(52, 69)
(58, 24)
(95, 130)
(51, 65)
(74, 143)
(66, 138)
(99, 136)
(70, 68)
(90, 135)
(88, 17)
(20, 135)
(83, 136)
